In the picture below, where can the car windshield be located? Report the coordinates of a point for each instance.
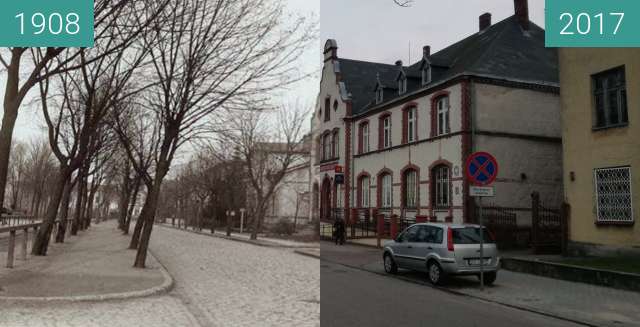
(470, 235)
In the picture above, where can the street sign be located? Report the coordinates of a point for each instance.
(482, 168)
(481, 191)
(339, 179)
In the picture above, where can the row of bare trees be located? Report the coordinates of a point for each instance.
(162, 74)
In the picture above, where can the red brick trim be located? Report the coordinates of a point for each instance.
(466, 148)
(434, 110)
(381, 119)
(381, 173)
(347, 169)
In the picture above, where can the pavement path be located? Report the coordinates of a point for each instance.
(593, 305)
(218, 282)
(228, 283)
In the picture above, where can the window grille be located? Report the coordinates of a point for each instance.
(613, 194)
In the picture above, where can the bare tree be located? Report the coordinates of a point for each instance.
(124, 18)
(403, 3)
(213, 54)
(267, 151)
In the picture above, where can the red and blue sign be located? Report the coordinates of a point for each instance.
(482, 168)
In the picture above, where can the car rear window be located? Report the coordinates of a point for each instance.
(470, 235)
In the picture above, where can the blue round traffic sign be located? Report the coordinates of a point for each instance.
(482, 168)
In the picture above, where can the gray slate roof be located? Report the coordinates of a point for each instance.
(502, 51)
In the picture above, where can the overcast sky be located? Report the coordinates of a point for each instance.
(380, 31)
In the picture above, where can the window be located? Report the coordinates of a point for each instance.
(327, 109)
(335, 105)
(441, 186)
(326, 147)
(410, 188)
(610, 98)
(430, 234)
(365, 183)
(411, 234)
(426, 75)
(402, 85)
(442, 109)
(336, 144)
(365, 137)
(339, 196)
(386, 132)
(379, 95)
(411, 125)
(613, 193)
(386, 190)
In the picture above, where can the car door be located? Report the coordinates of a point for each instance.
(403, 246)
(425, 244)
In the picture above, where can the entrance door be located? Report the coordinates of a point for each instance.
(325, 200)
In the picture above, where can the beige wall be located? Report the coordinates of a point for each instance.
(585, 149)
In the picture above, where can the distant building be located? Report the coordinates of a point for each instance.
(291, 198)
(601, 138)
(403, 133)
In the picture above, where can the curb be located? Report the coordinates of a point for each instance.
(308, 254)
(476, 297)
(599, 277)
(237, 239)
(165, 287)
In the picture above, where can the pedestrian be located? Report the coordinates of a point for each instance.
(339, 231)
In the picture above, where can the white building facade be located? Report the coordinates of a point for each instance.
(402, 134)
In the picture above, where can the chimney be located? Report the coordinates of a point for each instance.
(522, 13)
(426, 51)
(399, 63)
(485, 21)
(330, 50)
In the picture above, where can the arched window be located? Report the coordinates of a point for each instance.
(384, 130)
(335, 105)
(441, 187)
(410, 182)
(364, 137)
(442, 110)
(326, 147)
(327, 109)
(410, 125)
(365, 183)
(386, 189)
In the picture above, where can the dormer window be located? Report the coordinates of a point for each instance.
(379, 95)
(426, 74)
(402, 85)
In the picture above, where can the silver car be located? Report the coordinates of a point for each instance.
(442, 250)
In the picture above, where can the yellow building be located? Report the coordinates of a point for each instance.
(600, 95)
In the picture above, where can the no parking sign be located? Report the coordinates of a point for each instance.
(482, 170)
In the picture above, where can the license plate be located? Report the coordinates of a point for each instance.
(476, 262)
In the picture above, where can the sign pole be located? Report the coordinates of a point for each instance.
(481, 244)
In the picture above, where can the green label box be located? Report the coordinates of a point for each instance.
(592, 23)
(46, 23)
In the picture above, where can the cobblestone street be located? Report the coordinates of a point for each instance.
(218, 282)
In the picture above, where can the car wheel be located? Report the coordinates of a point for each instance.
(436, 274)
(489, 277)
(390, 266)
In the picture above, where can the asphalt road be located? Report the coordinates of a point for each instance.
(353, 297)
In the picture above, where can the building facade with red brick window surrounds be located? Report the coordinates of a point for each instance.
(405, 132)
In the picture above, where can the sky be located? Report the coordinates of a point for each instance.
(380, 31)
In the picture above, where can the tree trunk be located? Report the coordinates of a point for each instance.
(258, 217)
(41, 243)
(132, 205)
(6, 130)
(137, 230)
(64, 212)
(79, 195)
(148, 217)
(88, 213)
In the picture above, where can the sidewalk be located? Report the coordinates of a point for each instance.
(587, 304)
(245, 237)
(95, 265)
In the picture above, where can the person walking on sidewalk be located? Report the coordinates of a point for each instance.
(339, 230)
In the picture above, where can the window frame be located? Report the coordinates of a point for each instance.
(441, 186)
(412, 130)
(426, 75)
(386, 132)
(335, 144)
(365, 137)
(596, 183)
(386, 191)
(443, 115)
(379, 95)
(622, 111)
(326, 146)
(410, 189)
(327, 109)
(365, 192)
(402, 85)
